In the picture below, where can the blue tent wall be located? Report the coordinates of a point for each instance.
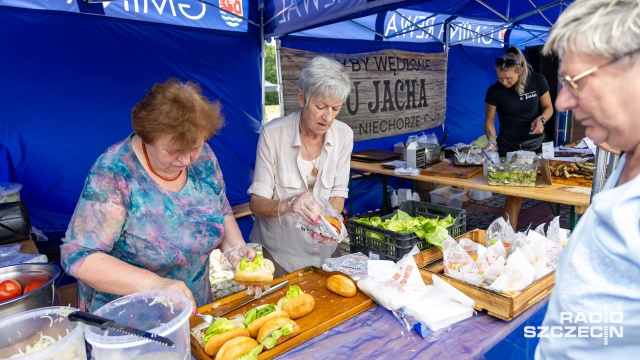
(70, 81)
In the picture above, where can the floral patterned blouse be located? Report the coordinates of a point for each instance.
(124, 213)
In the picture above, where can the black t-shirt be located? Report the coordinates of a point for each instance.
(516, 113)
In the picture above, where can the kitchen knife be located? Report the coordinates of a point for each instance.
(274, 288)
(104, 323)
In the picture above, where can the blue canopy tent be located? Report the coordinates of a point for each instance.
(472, 32)
(73, 71)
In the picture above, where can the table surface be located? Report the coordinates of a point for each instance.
(576, 196)
(377, 334)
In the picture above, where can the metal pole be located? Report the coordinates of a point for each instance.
(262, 62)
(599, 173)
(279, 73)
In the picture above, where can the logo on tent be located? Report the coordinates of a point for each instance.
(233, 6)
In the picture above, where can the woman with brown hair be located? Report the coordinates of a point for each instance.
(154, 205)
(523, 104)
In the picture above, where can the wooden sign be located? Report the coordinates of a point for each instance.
(393, 92)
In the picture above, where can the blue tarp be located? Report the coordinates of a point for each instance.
(70, 80)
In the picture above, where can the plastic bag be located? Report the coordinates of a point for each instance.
(354, 265)
(323, 232)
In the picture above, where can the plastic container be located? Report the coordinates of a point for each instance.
(390, 245)
(505, 174)
(29, 327)
(447, 196)
(10, 192)
(479, 195)
(165, 313)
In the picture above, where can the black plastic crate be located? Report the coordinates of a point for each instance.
(393, 245)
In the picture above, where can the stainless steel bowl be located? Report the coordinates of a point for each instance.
(25, 274)
(432, 153)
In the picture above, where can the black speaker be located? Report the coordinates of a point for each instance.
(547, 66)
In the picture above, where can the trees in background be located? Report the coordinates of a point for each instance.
(271, 74)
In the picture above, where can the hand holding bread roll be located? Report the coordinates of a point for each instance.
(341, 285)
(297, 303)
(257, 272)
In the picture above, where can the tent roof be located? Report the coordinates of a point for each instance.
(286, 17)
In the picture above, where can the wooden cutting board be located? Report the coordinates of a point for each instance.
(330, 309)
(447, 169)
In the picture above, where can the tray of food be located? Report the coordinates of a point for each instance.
(505, 306)
(313, 301)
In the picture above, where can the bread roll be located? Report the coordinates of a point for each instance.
(215, 343)
(298, 306)
(335, 223)
(236, 348)
(260, 276)
(341, 285)
(275, 324)
(255, 325)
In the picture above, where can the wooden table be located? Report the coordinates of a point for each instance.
(578, 197)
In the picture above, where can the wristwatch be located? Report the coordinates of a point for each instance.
(544, 121)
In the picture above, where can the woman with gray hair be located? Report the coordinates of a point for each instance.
(300, 156)
(594, 310)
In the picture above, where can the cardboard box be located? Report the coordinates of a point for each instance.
(68, 295)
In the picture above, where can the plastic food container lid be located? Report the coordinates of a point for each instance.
(7, 188)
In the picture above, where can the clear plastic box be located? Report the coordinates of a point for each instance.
(36, 326)
(505, 174)
(447, 196)
(161, 312)
(10, 192)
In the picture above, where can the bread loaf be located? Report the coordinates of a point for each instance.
(341, 285)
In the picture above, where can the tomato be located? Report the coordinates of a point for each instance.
(33, 286)
(9, 289)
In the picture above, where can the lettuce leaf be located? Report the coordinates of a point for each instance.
(433, 230)
(270, 341)
(218, 327)
(257, 263)
(255, 313)
(294, 290)
(252, 355)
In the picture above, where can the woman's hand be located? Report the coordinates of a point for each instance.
(230, 258)
(174, 285)
(491, 147)
(305, 205)
(537, 127)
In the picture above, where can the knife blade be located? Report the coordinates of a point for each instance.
(274, 288)
(104, 323)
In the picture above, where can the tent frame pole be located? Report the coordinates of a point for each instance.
(279, 73)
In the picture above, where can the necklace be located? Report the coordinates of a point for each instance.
(314, 171)
(146, 157)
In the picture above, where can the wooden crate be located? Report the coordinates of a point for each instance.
(503, 306)
(330, 309)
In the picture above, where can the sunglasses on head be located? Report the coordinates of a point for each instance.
(508, 63)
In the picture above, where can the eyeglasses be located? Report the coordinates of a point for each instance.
(573, 81)
(508, 63)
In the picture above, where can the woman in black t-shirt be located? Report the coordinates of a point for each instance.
(522, 101)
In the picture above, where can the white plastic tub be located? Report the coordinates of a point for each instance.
(447, 196)
(165, 313)
(10, 192)
(23, 330)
